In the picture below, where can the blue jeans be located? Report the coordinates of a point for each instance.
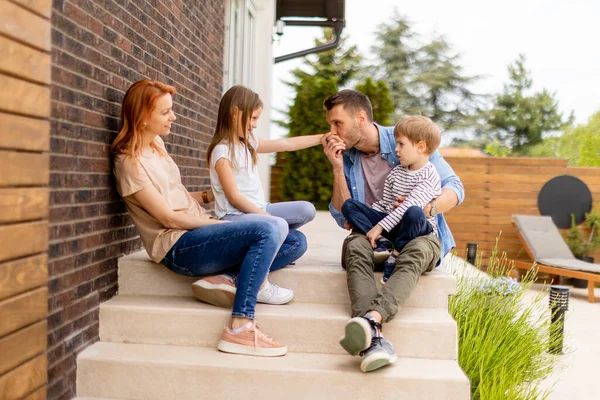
(363, 218)
(295, 213)
(287, 217)
(248, 247)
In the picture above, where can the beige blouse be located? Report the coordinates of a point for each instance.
(133, 175)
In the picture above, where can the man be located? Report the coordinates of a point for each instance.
(362, 154)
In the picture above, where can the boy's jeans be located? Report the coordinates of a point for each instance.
(363, 218)
(247, 246)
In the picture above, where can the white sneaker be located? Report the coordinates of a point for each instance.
(270, 293)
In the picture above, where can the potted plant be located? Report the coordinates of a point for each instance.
(581, 246)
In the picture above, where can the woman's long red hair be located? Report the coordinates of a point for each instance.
(138, 104)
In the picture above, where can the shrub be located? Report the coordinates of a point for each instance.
(307, 174)
(503, 336)
(574, 238)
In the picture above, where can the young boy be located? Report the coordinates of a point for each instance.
(415, 178)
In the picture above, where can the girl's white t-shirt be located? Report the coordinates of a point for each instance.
(246, 178)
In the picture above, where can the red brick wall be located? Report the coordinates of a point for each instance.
(100, 47)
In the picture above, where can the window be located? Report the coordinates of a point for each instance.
(240, 33)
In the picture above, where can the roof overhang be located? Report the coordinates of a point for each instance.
(325, 13)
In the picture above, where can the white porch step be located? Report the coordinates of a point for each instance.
(311, 282)
(303, 327)
(137, 371)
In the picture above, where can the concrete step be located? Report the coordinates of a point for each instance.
(311, 282)
(138, 371)
(303, 327)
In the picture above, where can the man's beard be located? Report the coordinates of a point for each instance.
(354, 136)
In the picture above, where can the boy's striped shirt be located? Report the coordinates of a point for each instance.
(420, 187)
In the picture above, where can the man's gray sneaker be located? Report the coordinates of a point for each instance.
(380, 354)
(359, 333)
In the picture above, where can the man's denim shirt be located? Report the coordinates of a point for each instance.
(387, 143)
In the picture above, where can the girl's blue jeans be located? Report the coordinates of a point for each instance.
(287, 216)
(247, 248)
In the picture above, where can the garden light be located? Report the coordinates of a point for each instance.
(559, 304)
(471, 252)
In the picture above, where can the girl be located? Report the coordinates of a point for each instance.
(176, 231)
(232, 157)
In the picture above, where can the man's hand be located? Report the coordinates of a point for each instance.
(427, 210)
(333, 147)
(347, 226)
(398, 201)
(374, 234)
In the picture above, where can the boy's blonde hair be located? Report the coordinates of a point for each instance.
(418, 128)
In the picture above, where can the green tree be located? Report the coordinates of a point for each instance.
(440, 88)
(394, 51)
(379, 95)
(580, 145)
(495, 149)
(343, 62)
(520, 119)
(307, 173)
(425, 77)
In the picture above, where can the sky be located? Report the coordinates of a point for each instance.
(558, 38)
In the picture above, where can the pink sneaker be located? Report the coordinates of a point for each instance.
(250, 341)
(218, 290)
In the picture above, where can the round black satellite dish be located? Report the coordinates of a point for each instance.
(562, 196)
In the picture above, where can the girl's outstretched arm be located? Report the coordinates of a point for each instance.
(225, 172)
(288, 144)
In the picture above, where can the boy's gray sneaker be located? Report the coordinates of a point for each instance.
(359, 335)
(380, 354)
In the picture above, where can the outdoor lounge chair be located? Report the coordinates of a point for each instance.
(546, 247)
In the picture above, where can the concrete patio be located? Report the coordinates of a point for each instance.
(576, 377)
(582, 327)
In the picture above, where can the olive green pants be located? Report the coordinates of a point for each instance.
(418, 257)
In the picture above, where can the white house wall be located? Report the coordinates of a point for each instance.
(263, 70)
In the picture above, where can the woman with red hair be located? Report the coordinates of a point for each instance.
(177, 231)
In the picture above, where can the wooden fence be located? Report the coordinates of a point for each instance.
(498, 187)
(24, 144)
(495, 189)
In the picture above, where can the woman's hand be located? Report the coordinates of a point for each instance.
(207, 196)
(204, 197)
